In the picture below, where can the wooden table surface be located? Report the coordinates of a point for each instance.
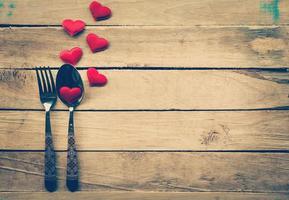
(196, 106)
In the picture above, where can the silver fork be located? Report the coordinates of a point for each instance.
(48, 97)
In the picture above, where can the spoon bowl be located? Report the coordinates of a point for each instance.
(68, 76)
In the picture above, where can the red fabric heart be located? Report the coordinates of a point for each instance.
(96, 43)
(95, 78)
(70, 94)
(71, 56)
(98, 11)
(73, 27)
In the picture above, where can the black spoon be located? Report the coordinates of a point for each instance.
(69, 77)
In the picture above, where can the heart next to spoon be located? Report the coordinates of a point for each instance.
(70, 90)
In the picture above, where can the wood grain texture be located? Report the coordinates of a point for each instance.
(236, 47)
(142, 195)
(150, 130)
(159, 89)
(151, 34)
(154, 172)
(149, 12)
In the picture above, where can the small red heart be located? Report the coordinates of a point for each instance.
(96, 43)
(98, 11)
(70, 94)
(73, 27)
(71, 56)
(95, 78)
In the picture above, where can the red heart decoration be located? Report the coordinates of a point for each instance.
(71, 56)
(96, 43)
(70, 94)
(73, 27)
(98, 11)
(95, 78)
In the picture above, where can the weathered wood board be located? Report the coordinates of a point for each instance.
(136, 171)
(149, 12)
(260, 130)
(159, 89)
(153, 46)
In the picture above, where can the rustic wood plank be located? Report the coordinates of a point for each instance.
(142, 195)
(161, 89)
(241, 47)
(152, 12)
(150, 130)
(172, 172)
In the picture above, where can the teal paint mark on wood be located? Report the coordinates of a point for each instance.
(7, 7)
(271, 7)
(11, 5)
(9, 14)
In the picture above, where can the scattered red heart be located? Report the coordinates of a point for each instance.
(71, 56)
(95, 78)
(73, 27)
(96, 43)
(98, 11)
(70, 95)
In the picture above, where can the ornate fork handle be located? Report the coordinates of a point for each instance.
(72, 160)
(50, 178)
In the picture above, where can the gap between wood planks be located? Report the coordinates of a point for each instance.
(271, 151)
(157, 68)
(155, 110)
(143, 195)
(139, 25)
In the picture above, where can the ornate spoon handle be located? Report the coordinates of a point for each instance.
(50, 179)
(72, 160)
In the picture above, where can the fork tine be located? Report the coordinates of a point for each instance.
(47, 80)
(52, 81)
(39, 82)
(43, 80)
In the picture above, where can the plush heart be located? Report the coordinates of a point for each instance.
(70, 94)
(73, 27)
(98, 11)
(96, 43)
(95, 78)
(71, 56)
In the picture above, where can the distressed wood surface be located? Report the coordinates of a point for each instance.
(150, 130)
(159, 89)
(156, 33)
(150, 12)
(143, 195)
(155, 172)
(153, 46)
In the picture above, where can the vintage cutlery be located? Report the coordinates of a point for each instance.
(70, 90)
(48, 98)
